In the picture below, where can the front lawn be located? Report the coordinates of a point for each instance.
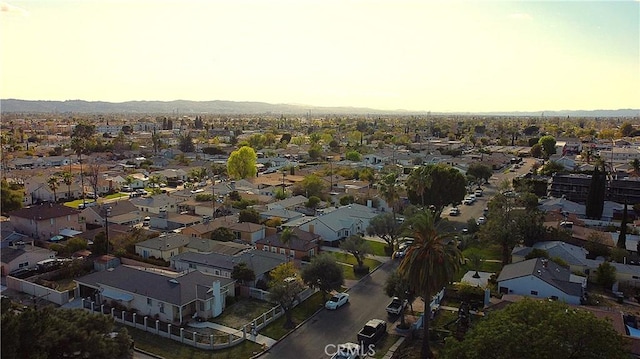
(300, 313)
(350, 259)
(242, 312)
(168, 348)
(377, 248)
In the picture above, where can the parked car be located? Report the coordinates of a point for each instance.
(347, 351)
(372, 332)
(337, 301)
(481, 220)
(478, 193)
(468, 201)
(396, 306)
(455, 211)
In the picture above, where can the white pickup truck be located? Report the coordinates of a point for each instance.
(396, 306)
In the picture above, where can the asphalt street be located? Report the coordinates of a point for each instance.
(367, 301)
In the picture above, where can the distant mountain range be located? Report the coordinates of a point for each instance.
(183, 107)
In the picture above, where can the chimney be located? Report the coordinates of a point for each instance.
(312, 229)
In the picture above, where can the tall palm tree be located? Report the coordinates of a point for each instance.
(429, 264)
(67, 178)
(285, 237)
(419, 180)
(390, 190)
(54, 184)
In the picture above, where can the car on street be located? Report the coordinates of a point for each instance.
(337, 300)
(372, 332)
(455, 211)
(347, 351)
(468, 201)
(478, 193)
(481, 220)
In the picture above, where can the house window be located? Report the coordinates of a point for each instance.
(265, 248)
(283, 251)
(161, 305)
(274, 250)
(216, 271)
(23, 265)
(292, 253)
(312, 252)
(534, 292)
(52, 221)
(149, 301)
(192, 265)
(68, 218)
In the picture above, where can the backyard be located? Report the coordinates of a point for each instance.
(242, 312)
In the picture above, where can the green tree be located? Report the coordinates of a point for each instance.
(622, 237)
(595, 197)
(548, 144)
(285, 288)
(186, 143)
(10, 199)
(242, 273)
(242, 163)
(536, 151)
(531, 329)
(596, 245)
(249, 215)
(67, 178)
(323, 273)
(222, 234)
(398, 286)
(286, 236)
(311, 185)
(386, 227)
(606, 275)
(480, 171)
(358, 247)
(626, 129)
(54, 184)
(315, 152)
(52, 333)
(353, 155)
(313, 202)
(446, 185)
(389, 189)
(429, 264)
(551, 167)
(501, 225)
(537, 253)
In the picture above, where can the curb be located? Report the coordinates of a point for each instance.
(313, 315)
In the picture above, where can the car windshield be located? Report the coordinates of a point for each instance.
(334, 299)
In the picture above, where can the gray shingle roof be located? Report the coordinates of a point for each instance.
(548, 272)
(153, 284)
(166, 243)
(44, 211)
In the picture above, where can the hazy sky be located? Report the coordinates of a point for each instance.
(386, 54)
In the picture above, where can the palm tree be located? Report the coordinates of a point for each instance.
(419, 180)
(67, 178)
(285, 237)
(429, 264)
(390, 190)
(54, 184)
(635, 164)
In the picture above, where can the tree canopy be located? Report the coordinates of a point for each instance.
(285, 287)
(479, 171)
(438, 185)
(61, 333)
(539, 329)
(385, 227)
(548, 144)
(323, 273)
(358, 247)
(242, 163)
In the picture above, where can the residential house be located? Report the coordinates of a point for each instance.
(45, 220)
(172, 298)
(120, 212)
(334, 224)
(203, 245)
(37, 190)
(206, 228)
(173, 221)
(156, 204)
(574, 256)
(21, 256)
(291, 203)
(285, 215)
(302, 245)
(163, 247)
(248, 232)
(221, 265)
(541, 278)
(172, 175)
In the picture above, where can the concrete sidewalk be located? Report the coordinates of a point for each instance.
(260, 339)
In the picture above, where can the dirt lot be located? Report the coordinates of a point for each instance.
(242, 312)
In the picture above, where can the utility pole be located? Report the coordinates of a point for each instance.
(106, 226)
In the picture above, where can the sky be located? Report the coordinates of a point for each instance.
(441, 56)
